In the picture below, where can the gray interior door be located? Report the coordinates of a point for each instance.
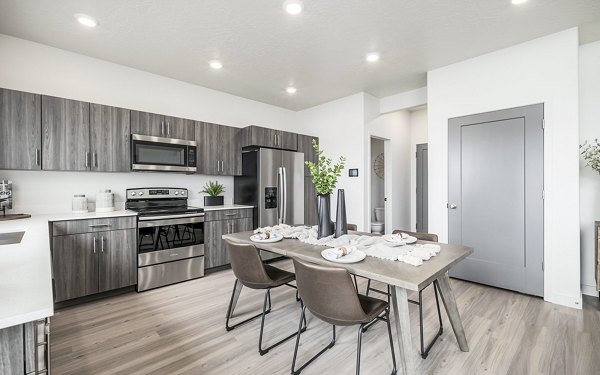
(422, 188)
(495, 197)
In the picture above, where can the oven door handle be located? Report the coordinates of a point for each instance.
(158, 221)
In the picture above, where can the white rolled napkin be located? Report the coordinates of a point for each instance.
(264, 236)
(409, 259)
(342, 251)
(421, 253)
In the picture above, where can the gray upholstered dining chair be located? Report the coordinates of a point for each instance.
(251, 272)
(424, 350)
(329, 294)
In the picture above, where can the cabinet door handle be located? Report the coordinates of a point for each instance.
(168, 128)
(217, 165)
(102, 244)
(98, 225)
(94, 245)
(162, 128)
(87, 159)
(37, 156)
(222, 166)
(95, 159)
(231, 214)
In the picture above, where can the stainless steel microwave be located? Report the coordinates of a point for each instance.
(150, 153)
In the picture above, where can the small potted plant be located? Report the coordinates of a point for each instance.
(324, 176)
(213, 189)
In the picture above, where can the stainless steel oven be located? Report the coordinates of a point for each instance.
(170, 236)
(150, 153)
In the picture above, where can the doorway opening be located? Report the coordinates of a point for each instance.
(378, 186)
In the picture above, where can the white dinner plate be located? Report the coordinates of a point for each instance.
(405, 241)
(274, 238)
(353, 257)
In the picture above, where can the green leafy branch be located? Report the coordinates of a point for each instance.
(324, 173)
(213, 188)
(591, 154)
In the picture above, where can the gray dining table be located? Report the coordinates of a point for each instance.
(400, 276)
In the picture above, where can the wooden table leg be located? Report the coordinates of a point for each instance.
(402, 322)
(452, 310)
(236, 295)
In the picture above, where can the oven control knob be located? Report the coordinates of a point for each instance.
(141, 193)
(182, 192)
(133, 193)
(176, 193)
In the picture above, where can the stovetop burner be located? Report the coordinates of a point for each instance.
(160, 202)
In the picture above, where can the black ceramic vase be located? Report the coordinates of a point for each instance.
(213, 201)
(341, 223)
(324, 212)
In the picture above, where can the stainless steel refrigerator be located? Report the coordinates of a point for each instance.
(273, 182)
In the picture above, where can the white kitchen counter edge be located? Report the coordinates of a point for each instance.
(89, 215)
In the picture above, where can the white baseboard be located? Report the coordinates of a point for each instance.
(589, 290)
(564, 300)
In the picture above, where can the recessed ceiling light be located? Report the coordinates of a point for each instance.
(215, 64)
(517, 2)
(372, 57)
(86, 20)
(291, 90)
(293, 6)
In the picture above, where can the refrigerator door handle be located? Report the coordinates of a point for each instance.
(284, 197)
(280, 187)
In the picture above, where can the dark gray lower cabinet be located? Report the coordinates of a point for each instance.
(215, 253)
(24, 348)
(89, 263)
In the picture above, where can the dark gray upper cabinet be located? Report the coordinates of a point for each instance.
(145, 123)
(305, 146)
(180, 128)
(271, 138)
(117, 263)
(161, 126)
(219, 149)
(20, 130)
(65, 134)
(110, 138)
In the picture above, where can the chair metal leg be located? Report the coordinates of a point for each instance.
(329, 346)
(425, 351)
(389, 327)
(358, 347)
(230, 310)
(264, 351)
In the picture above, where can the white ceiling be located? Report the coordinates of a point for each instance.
(321, 51)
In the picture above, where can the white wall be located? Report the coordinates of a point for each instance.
(37, 68)
(403, 100)
(418, 135)
(339, 124)
(589, 181)
(544, 70)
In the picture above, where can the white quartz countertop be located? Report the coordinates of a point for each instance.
(226, 207)
(26, 268)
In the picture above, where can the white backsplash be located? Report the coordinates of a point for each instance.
(43, 192)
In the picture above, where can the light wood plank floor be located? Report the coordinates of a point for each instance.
(180, 330)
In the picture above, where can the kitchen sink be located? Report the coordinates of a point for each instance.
(11, 238)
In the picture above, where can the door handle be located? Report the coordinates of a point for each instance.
(95, 159)
(37, 156)
(162, 128)
(94, 245)
(451, 206)
(87, 159)
(102, 244)
(168, 128)
(217, 165)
